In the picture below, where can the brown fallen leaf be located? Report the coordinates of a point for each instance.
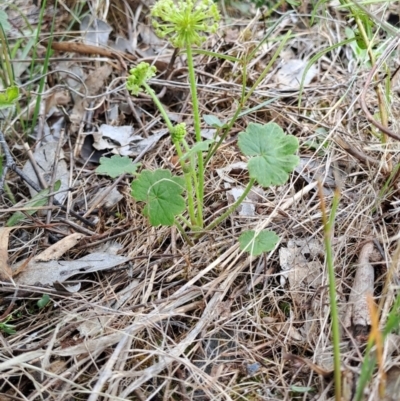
(392, 384)
(358, 312)
(82, 48)
(5, 270)
(304, 361)
(57, 98)
(58, 249)
(94, 83)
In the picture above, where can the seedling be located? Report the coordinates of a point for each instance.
(44, 301)
(270, 151)
(6, 327)
(9, 97)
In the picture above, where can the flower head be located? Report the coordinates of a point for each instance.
(138, 76)
(178, 133)
(184, 23)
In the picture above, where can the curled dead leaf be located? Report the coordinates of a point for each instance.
(5, 270)
(58, 249)
(358, 311)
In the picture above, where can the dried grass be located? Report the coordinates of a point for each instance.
(208, 322)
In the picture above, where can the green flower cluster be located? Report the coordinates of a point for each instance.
(178, 133)
(139, 76)
(184, 23)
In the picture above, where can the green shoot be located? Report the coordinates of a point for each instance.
(328, 223)
(7, 328)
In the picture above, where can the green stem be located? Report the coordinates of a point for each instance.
(9, 193)
(159, 105)
(232, 207)
(187, 174)
(328, 229)
(188, 181)
(192, 168)
(182, 232)
(186, 221)
(8, 70)
(197, 127)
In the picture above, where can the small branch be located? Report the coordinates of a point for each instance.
(8, 162)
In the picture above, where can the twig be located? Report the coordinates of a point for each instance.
(82, 48)
(9, 161)
(11, 306)
(54, 174)
(35, 166)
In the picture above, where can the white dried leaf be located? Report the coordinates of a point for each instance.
(116, 138)
(303, 272)
(71, 288)
(248, 207)
(95, 32)
(149, 37)
(45, 157)
(113, 113)
(111, 199)
(312, 170)
(287, 258)
(122, 141)
(310, 246)
(123, 45)
(290, 75)
(209, 133)
(95, 82)
(224, 172)
(45, 273)
(147, 143)
(92, 325)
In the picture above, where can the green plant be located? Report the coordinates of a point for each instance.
(328, 223)
(271, 152)
(11, 92)
(44, 301)
(9, 97)
(371, 357)
(7, 328)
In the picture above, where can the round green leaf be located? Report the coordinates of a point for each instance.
(257, 243)
(163, 194)
(116, 166)
(271, 152)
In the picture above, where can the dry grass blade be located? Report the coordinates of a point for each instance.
(206, 322)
